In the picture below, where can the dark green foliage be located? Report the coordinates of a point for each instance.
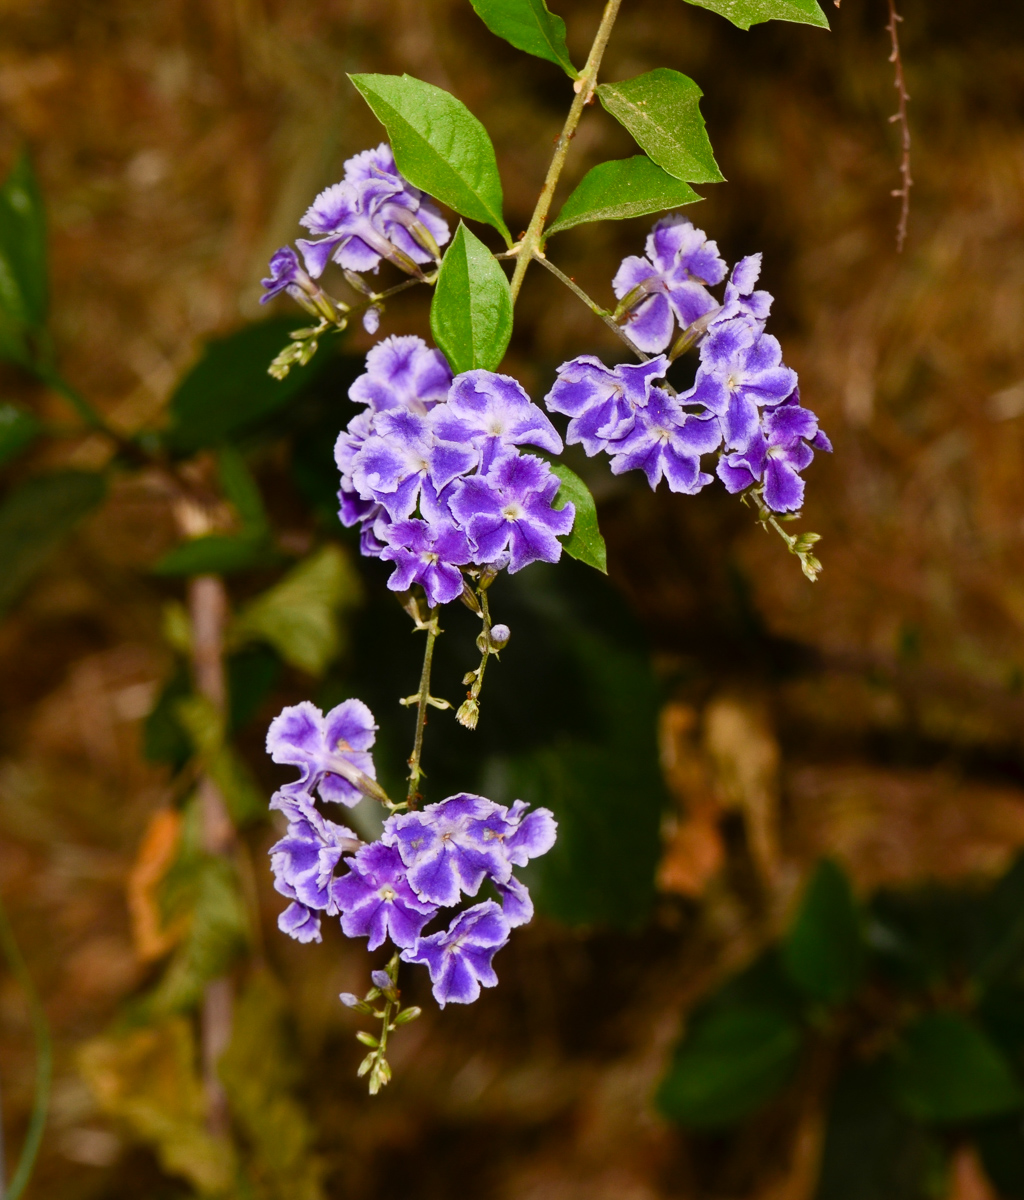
(529, 25)
(732, 1061)
(946, 1070)
(823, 949)
(745, 13)
(252, 675)
(584, 541)
(36, 517)
(23, 274)
(471, 313)
(18, 430)
(229, 390)
(872, 1150)
(1001, 1146)
(164, 738)
(626, 187)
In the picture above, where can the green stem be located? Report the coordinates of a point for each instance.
(422, 703)
(44, 1062)
(593, 305)
(584, 94)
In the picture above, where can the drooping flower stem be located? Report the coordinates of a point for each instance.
(423, 700)
(584, 94)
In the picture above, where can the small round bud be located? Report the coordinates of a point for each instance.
(349, 1000)
(381, 979)
(371, 319)
(499, 636)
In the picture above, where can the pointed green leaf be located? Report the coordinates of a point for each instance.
(23, 284)
(471, 313)
(661, 109)
(824, 950)
(216, 554)
(18, 429)
(242, 490)
(732, 1062)
(35, 519)
(626, 187)
(745, 13)
(946, 1070)
(530, 26)
(438, 144)
(584, 541)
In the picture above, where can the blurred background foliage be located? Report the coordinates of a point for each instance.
(781, 949)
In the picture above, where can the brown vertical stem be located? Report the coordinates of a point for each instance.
(208, 610)
(900, 117)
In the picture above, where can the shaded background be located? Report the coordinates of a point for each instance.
(875, 716)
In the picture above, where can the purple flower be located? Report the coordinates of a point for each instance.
(602, 401)
(304, 860)
(669, 283)
(740, 298)
(429, 554)
(516, 903)
(449, 848)
(740, 372)
(667, 442)
(325, 748)
(510, 508)
(376, 901)
(371, 320)
(778, 452)
(494, 414)
(402, 372)
(373, 213)
(300, 923)
(286, 276)
(530, 834)
(404, 462)
(459, 959)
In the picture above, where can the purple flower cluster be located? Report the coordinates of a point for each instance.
(744, 402)
(424, 862)
(432, 474)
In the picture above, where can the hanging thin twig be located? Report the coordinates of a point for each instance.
(900, 117)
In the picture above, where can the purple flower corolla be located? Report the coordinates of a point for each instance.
(670, 284)
(402, 372)
(324, 747)
(300, 923)
(516, 902)
(304, 860)
(667, 442)
(451, 847)
(510, 508)
(602, 401)
(528, 834)
(778, 452)
(376, 901)
(493, 413)
(740, 372)
(740, 298)
(372, 213)
(286, 276)
(404, 462)
(459, 959)
(429, 554)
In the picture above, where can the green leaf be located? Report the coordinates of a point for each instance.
(732, 1062)
(163, 737)
(36, 517)
(300, 615)
(252, 675)
(438, 144)
(23, 283)
(215, 554)
(661, 109)
(471, 313)
(206, 731)
(18, 429)
(530, 26)
(584, 541)
(625, 187)
(229, 389)
(946, 1070)
(745, 13)
(242, 490)
(873, 1151)
(823, 949)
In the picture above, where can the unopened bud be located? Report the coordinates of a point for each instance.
(371, 319)
(367, 1039)
(407, 1015)
(468, 714)
(499, 636)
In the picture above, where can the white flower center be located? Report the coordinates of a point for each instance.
(387, 892)
(513, 511)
